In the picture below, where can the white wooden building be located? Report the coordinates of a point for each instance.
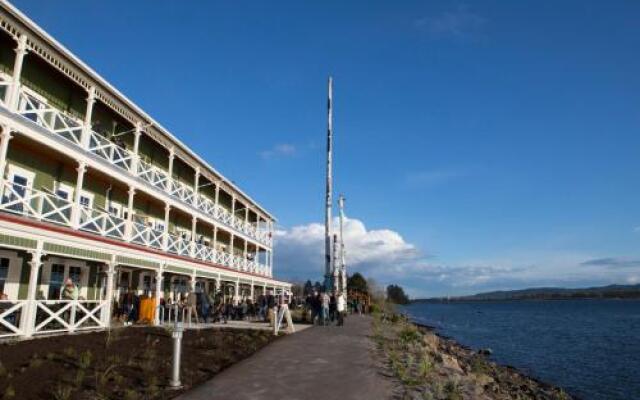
(95, 190)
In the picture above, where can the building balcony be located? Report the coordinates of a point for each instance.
(48, 207)
(73, 130)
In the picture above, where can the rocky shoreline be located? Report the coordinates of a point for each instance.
(426, 365)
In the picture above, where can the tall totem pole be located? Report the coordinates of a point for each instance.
(343, 263)
(328, 273)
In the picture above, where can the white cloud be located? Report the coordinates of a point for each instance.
(384, 255)
(300, 250)
(433, 177)
(460, 23)
(279, 150)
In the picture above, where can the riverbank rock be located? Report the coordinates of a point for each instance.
(451, 363)
(431, 341)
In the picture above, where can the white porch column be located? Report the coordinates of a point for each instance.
(5, 137)
(232, 237)
(165, 239)
(172, 156)
(194, 223)
(86, 128)
(217, 285)
(128, 234)
(245, 254)
(270, 263)
(192, 281)
(236, 293)
(21, 51)
(159, 285)
(196, 186)
(215, 237)
(217, 195)
(28, 322)
(251, 293)
(136, 147)
(76, 211)
(106, 313)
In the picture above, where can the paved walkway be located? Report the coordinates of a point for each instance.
(318, 363)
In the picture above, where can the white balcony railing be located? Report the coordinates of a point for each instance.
(178, 245)
(102, 223)
(46, 206)
(12, 317)
(49, 117)
(116, 155)
(153, 175)
(182, 191)
(70, 128)
(69, 315)
(146, 235)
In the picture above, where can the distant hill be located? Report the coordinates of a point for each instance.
(602, 292)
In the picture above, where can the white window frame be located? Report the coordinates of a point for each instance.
(119, 209)
(152, 277)
(14, 170)
(12, 283)
(88, 195)
(84, 274)
(64, 187)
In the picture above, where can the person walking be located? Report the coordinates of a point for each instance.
(340, 306)
(271, 308)
(325, 308)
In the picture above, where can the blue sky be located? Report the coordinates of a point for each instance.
(481, 145)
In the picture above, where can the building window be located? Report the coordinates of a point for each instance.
(4, 272)
(74, 275)
(56, 281)
(124, 280)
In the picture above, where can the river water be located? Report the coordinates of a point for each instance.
(591, 348)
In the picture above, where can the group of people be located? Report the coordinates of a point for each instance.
(326, 308)
(201, 307)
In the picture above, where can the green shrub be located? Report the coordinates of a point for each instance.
(69, 351)
(452, 390)
(409, 334)
(84, 361)
(62, 392)
(479, 365)
(9, 393)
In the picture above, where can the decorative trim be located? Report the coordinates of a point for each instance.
(75, 252)
(178, 270)
(136, 262)
(16, 241)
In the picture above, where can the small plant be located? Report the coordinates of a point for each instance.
(62, 392)
(9, 393)
(69, 351)
(153, 388)
(452, 390)
(425, 367)
(409, 334)
(479, 365)
(79, 378)
(35, 361)
(50, 356)
(84, 361)
(130, 394)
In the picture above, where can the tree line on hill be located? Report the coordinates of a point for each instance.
(357, 283)
(602, 292)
